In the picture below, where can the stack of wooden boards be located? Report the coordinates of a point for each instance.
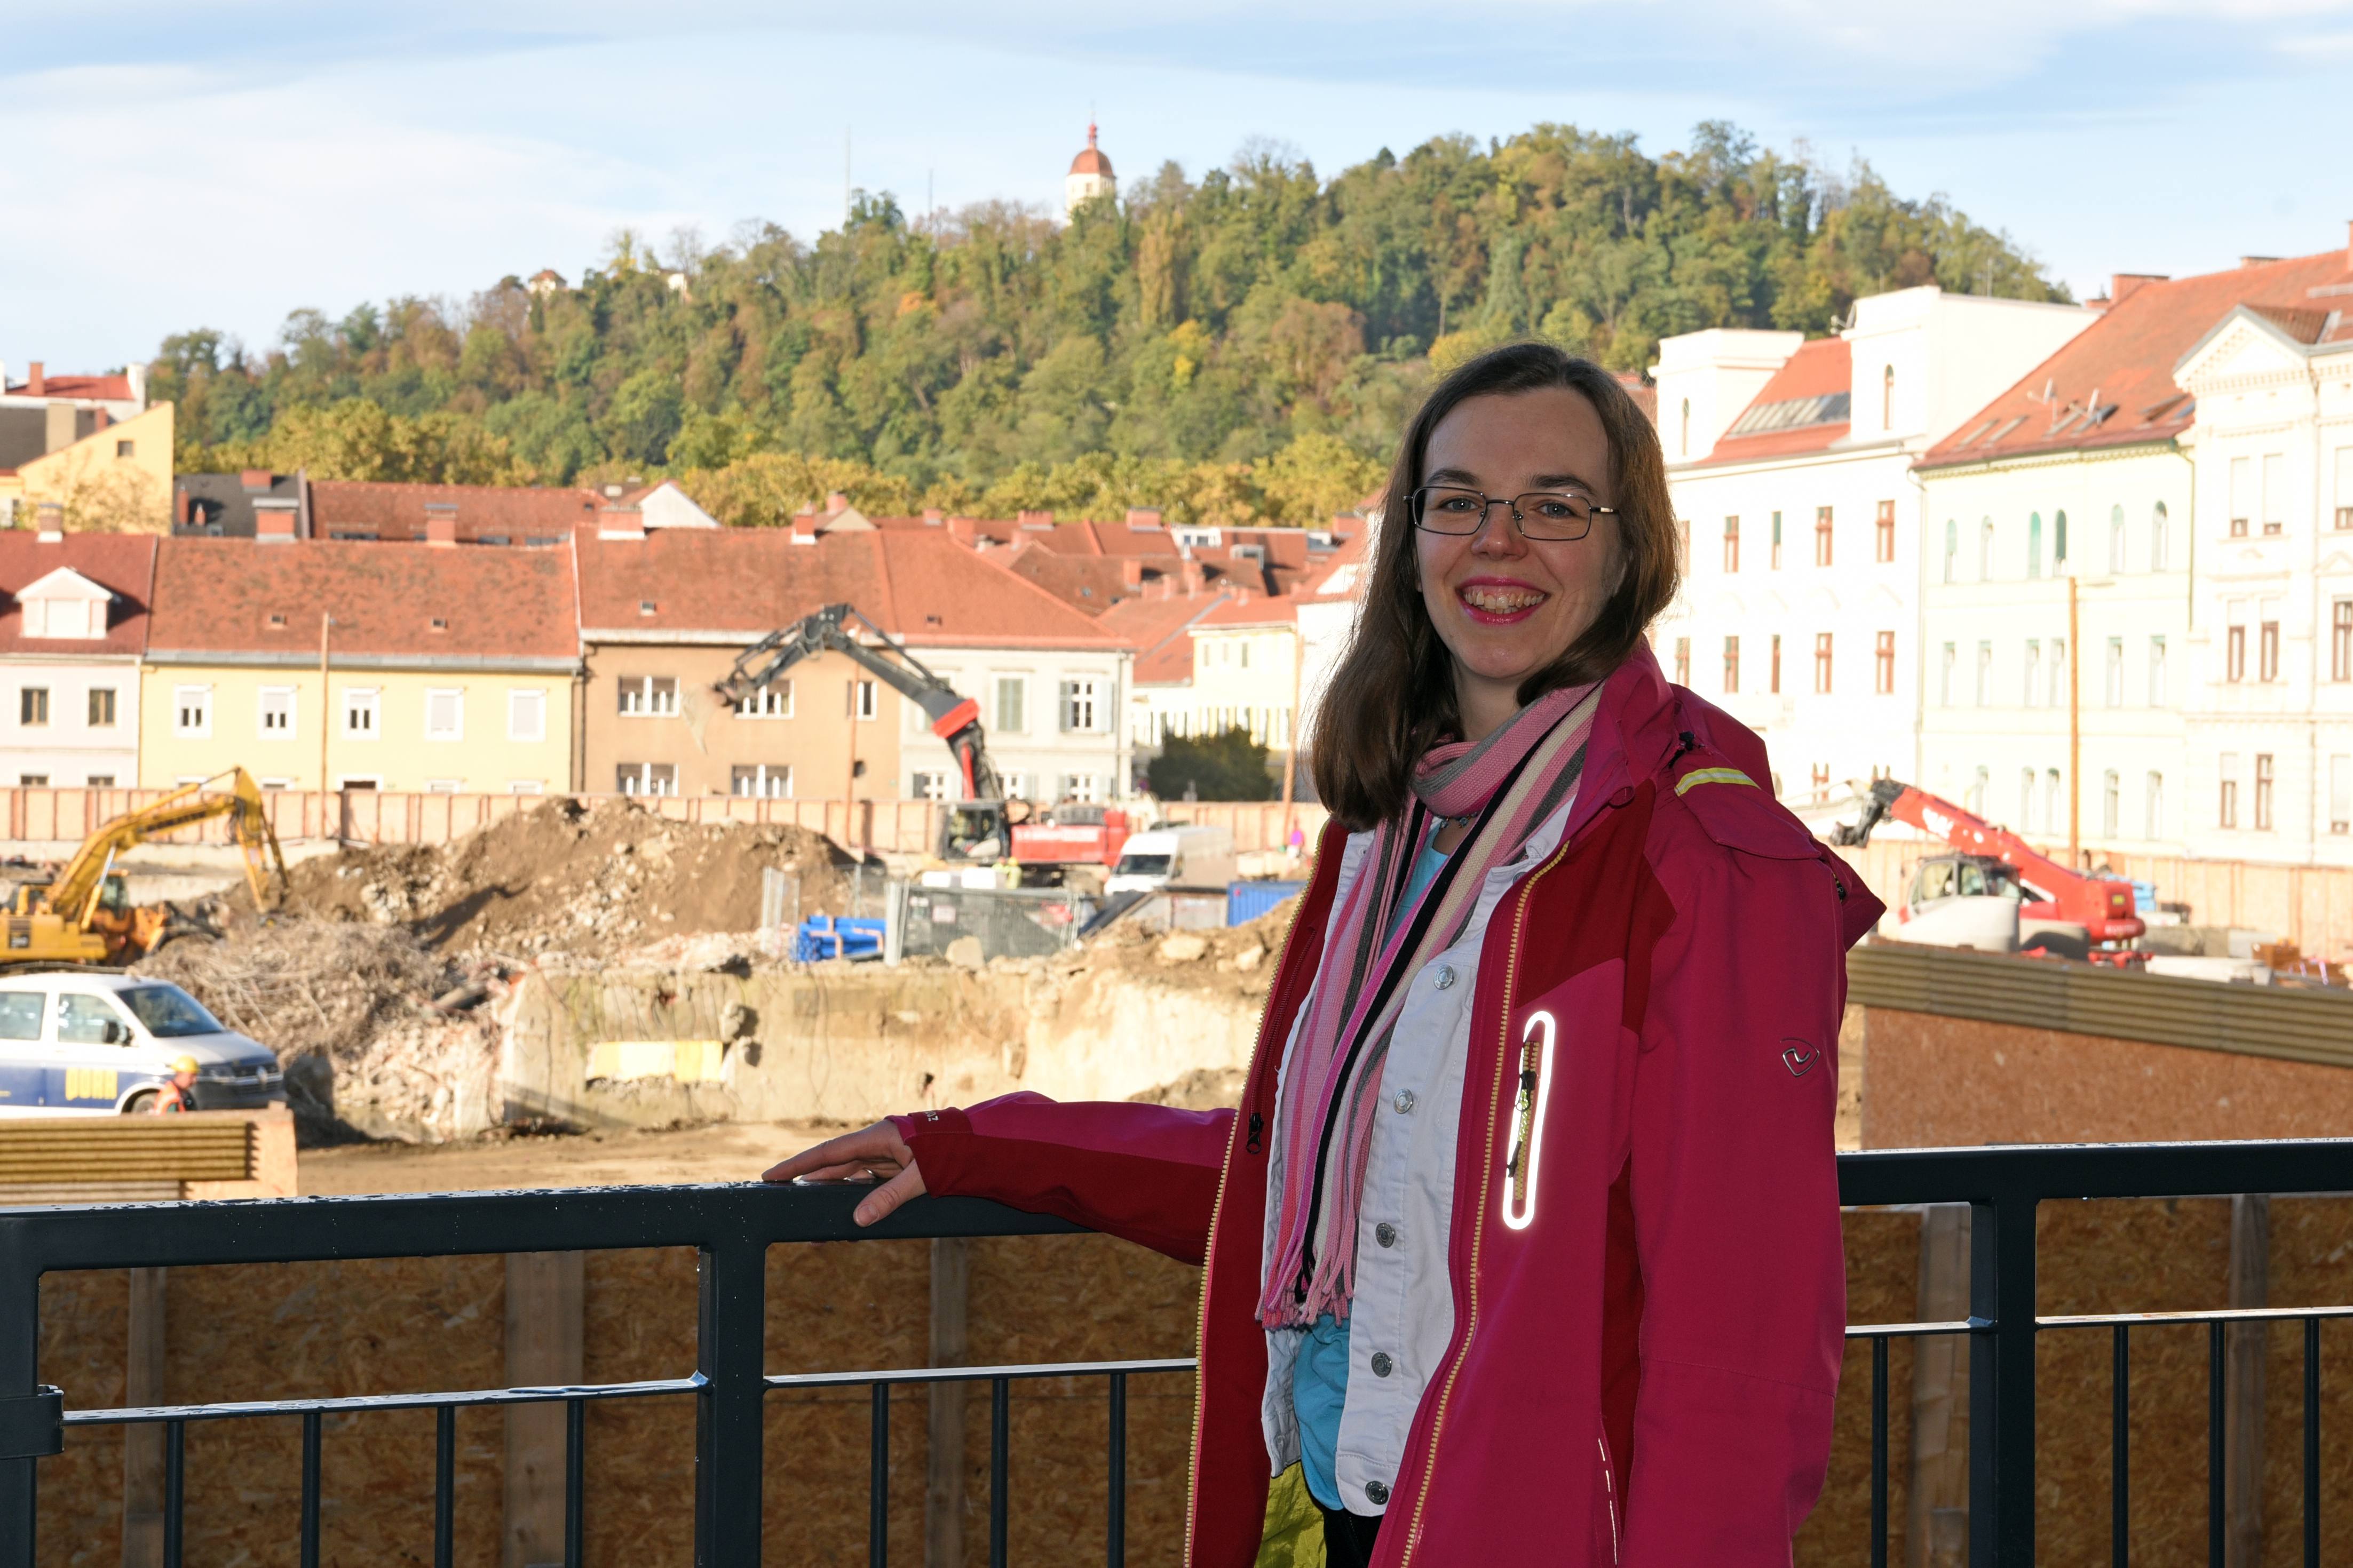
(142, 1159)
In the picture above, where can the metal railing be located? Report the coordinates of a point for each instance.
(733, 1226)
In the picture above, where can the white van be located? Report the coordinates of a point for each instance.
(74, 1043)
(1178, 856)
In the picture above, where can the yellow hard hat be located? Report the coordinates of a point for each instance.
(184, 1064)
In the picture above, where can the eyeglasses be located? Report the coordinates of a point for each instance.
(1547, 516)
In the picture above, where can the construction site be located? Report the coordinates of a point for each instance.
(600, 992)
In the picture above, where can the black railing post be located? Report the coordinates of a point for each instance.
(731, 1353)
(20, 1339)
(2002, 1379)
(2312, 1443)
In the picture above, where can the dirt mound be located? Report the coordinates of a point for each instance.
(588, 880)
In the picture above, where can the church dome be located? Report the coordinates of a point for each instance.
(1091, 160)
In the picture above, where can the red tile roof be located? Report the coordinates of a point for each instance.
(1254, 610)
(1159, 629)
(397, 511)
(1357, 570)
(925, 589)
(2126, 359)
(122, 563)
(96, 388)
(1802, 409)
(217, 596)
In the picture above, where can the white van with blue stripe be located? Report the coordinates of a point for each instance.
(74, 1043)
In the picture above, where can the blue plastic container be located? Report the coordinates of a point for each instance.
(1245, 901)
(822, 936)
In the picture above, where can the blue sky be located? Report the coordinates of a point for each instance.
(220, 163)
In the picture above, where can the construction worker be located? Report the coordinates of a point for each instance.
(179, 1093)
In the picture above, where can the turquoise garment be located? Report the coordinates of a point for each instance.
(1319, 1378)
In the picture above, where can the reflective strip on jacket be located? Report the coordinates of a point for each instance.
(1650, 1298)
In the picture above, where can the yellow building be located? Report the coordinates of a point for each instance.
(448, 670)
(115, 479)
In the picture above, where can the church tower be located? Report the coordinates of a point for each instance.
(1090, 176)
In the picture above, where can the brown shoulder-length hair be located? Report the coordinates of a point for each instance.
(1391, 697)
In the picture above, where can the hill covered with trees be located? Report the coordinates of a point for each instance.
(1242, 345)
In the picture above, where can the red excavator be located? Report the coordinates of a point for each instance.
(1994, 860)
(980, 826)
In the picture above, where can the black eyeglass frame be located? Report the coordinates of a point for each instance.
(1418, 502)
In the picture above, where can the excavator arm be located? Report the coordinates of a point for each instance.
(954, 719)
(2103, 906)
(75, 892)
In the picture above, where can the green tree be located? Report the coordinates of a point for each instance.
(1228, 765)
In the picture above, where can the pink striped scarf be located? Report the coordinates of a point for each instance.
(1504, 786)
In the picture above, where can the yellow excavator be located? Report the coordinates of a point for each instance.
(83, 914)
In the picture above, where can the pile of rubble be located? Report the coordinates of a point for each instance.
(570, 879)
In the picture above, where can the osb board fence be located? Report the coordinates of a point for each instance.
(57, 815)
(379, 1327)
(2312, 906)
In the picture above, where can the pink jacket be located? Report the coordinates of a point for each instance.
(1647, 1343)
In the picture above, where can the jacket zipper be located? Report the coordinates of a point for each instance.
(1609, 1491)
(1478, 1218)
(1256, 1127)
(1527, 1121)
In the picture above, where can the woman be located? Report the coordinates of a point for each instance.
(1524, 1245)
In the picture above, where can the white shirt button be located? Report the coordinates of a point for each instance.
(1445, 976)
(1404, 1101)
(1382, 1365)
(1385, 1234)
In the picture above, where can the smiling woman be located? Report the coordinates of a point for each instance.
(1545, 862)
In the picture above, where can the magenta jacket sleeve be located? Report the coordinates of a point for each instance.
(1143, 1172)
(1733, 1187)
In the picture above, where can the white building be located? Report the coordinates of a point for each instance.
(1053, 707)
(2271, 644)
(2079, 479)
(71, 638)
(1327, 618)
(1090, 176)
(1801, 609)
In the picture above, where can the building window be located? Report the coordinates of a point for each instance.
(526, 713)
(2234, 653)
(1683, 661)
(2262, 792)
(2268, 653)
(1775, 562)
(1977, 798)
(2111, 802)
(2242, 495)
(2274, 491)
(2340, 794)
(1012, 704)
(32, 781)
(1886, 400)
(862, 700)
(2034, 545)
(126, 448)
(1081, 711)
(277, 710)
(445, 713)
(444, 786)
(1085, 788)
(1683, 541)
(1985, 674)
(1821, 536)
(33, 705)
(1822, 662)
(646, 778)
(1884, 660)
(1732, 544)
(2229, 812)
(1818, 776)
(2058, 676)
(1952, 549)
(1731, 664)
(774, 701)
(924, 783)
(1682, 439)
(2153, 806)
(767, 782)
(2027, 779)
(1945, 662)
(1774, 674)
(360, 712)
(2117, 539)
(2114, 686)
(648, 696)
(99, 781)
(101, 707)
(192, 711)
(1985, 551)
(2051, 800)
(2340, 641)
(1883, 527)
(2157, 537)
(2156, 672)
(2033, 690)
(2058, 544)
(526, 786)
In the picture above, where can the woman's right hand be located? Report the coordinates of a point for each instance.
(875, 1153)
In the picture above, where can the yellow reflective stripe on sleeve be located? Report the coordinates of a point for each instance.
(1713, 775)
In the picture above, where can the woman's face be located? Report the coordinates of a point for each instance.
(1505, 605)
